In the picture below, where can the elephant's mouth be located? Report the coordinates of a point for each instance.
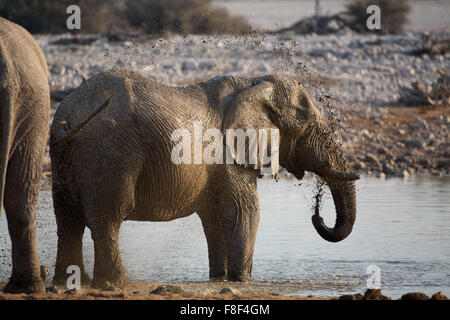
(299, 174)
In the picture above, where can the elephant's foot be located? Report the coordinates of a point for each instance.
(60, 279)
(218, 279)
(218, 276)
(239, 277)
(20, 286)
(108, 283)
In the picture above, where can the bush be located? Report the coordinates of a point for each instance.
(394, 14)
(49, 16)
(113, 16)
(184, 17)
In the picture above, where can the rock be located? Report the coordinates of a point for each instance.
(207, 292)
(357, 296)
(380, 175)
(58, 70)
(227, 290)
(414, 143)
(167, 288)
(52, 290)
(372, 160)
(208, 65)
(404, 173)
(443, 164)
(189, 65)
(382, 150)
(389, 156)
(387, 169)
(438, 296)
(374, 294)
(447, 120)
(45, 272)
(264, 67)
(365, 134)
(420, 124)
(415, 296)
(73, 291)
(428, 136)
(359, 165)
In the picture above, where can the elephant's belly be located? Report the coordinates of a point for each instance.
(173, 196)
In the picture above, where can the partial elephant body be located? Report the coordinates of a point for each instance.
(25, 113)
(111, 145)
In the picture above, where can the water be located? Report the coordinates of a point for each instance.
(402, 227)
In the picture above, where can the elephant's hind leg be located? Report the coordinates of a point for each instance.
(105, 209)
(69, 220)
(108, 270)
(217, 252)
(70, 241)
(21, 196)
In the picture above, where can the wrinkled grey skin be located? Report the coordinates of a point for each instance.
(25, 115)
(111, 159)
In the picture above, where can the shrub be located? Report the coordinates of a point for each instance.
(394, 14)
(184, 17)
(49, 16)
(112, 16)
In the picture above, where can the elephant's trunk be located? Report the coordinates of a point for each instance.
(344, 197)
(325, 157)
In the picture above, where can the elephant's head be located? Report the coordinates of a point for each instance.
(306, 143)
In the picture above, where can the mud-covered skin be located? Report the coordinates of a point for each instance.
(24, 114)
(111, 150)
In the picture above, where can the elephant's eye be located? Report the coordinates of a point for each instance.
(301, 114)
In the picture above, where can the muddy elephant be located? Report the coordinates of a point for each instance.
(112, 147)
(25, 117)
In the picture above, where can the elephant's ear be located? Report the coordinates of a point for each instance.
(251, 138)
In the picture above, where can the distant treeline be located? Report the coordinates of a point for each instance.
(119, 16)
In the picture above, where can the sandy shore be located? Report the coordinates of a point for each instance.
(198, 291)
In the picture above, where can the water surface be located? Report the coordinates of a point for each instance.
(403, 227)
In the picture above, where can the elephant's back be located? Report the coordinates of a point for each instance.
(21, 58)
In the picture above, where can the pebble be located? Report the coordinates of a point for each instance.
(404, 174)
(52, 290)
(227, 290)
(73, 291)
(167, 288)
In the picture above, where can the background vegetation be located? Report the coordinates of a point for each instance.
(394, 14)
(115, 16)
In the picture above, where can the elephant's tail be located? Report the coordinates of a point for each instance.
(7, 118)
(61, 131)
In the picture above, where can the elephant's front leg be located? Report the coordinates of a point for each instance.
(240, 226)
(21, 196)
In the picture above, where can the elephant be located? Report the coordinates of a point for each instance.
(25, 120)
(111, 146)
